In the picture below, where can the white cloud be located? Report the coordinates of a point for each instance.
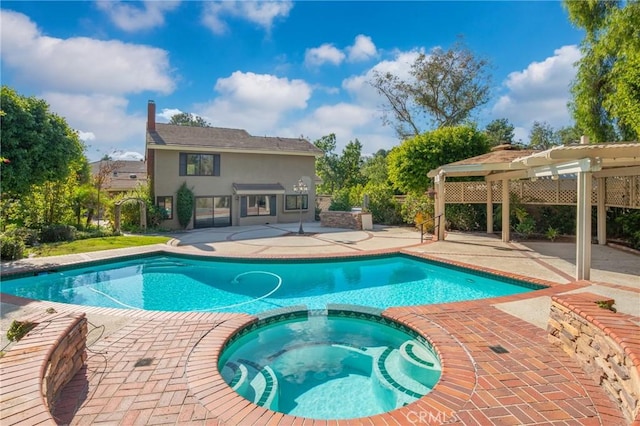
(359, 88)
(255, 102)
(262, 13)
(126, 155)
(102, 116)
(349, 122)
(132, 18)
(540, 92)
(78, 64)
(86, 136)
(320, 55)
(362, 49)
(167, 113)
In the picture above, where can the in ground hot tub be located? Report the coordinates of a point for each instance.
(338, 364)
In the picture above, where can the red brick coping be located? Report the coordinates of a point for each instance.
(454, 388)
(37, 367)
(604, 342)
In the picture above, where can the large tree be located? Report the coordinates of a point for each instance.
(542, 136)
(444, 85)
(374, 168)
(606, 90)
(188, 119)
(499, 131)
(338, 171)
(410, 161)
(39, 145)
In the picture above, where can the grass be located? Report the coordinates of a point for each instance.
(95, 244)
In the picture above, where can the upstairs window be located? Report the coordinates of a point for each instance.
(199, 164)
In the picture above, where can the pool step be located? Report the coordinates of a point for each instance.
(411, 371)
(419, 363)
(256, 383)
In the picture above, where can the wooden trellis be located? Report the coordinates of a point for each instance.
(620, 192)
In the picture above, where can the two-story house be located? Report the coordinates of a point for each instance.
(237, 178)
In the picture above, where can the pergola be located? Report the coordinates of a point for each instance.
(584, 161)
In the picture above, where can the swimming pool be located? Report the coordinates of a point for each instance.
(339, 365)
(189, 283)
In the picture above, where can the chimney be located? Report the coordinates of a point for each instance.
(151, 116)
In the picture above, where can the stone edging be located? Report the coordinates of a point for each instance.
(36, 368)
(605, 343)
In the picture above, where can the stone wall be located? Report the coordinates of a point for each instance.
(36, 368)
(605, 343)
(66, 360)
(348, 220)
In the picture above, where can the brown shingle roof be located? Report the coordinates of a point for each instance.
(129, 175)
(500, 156)
(221, 139)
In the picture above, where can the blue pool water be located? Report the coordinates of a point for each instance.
(180, 283)
(337, 366)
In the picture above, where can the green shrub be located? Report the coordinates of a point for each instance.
(18, 329)
(466, 217)
(552, 233)
(28, 236)
(383, 206)
(155, 216)
(56, 233)
(95, 233)
(526, 227)
(340, 202)
(629, 223)
(184, 205)
(418, 208)
(11, 247)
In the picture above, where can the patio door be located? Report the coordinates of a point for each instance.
(212, 212)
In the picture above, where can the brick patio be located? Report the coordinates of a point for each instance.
(160, 368)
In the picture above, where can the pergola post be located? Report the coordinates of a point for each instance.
(583, 223)
(489, 207)
(602, 211)
(583, 231)
(439, 207)
(506, 231)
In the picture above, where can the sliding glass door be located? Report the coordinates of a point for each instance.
(212, 211)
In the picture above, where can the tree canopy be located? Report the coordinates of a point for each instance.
(338, 171)
(38, 144)
(444, 85)
(499, 131)
(542, 136)
(188, 119)
(606, 90)
(410, 161)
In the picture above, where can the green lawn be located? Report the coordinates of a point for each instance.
(95, 244)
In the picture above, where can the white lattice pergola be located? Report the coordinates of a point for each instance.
(582, 175)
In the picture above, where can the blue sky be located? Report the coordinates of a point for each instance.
(274, 68)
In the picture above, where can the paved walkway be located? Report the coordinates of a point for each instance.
(534, 383)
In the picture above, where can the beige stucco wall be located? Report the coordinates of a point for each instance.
(239, 168)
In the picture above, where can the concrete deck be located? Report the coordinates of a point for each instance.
(535, 383)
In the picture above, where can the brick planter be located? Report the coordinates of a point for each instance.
(35, 369)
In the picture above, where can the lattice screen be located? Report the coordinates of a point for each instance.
(621, 191)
